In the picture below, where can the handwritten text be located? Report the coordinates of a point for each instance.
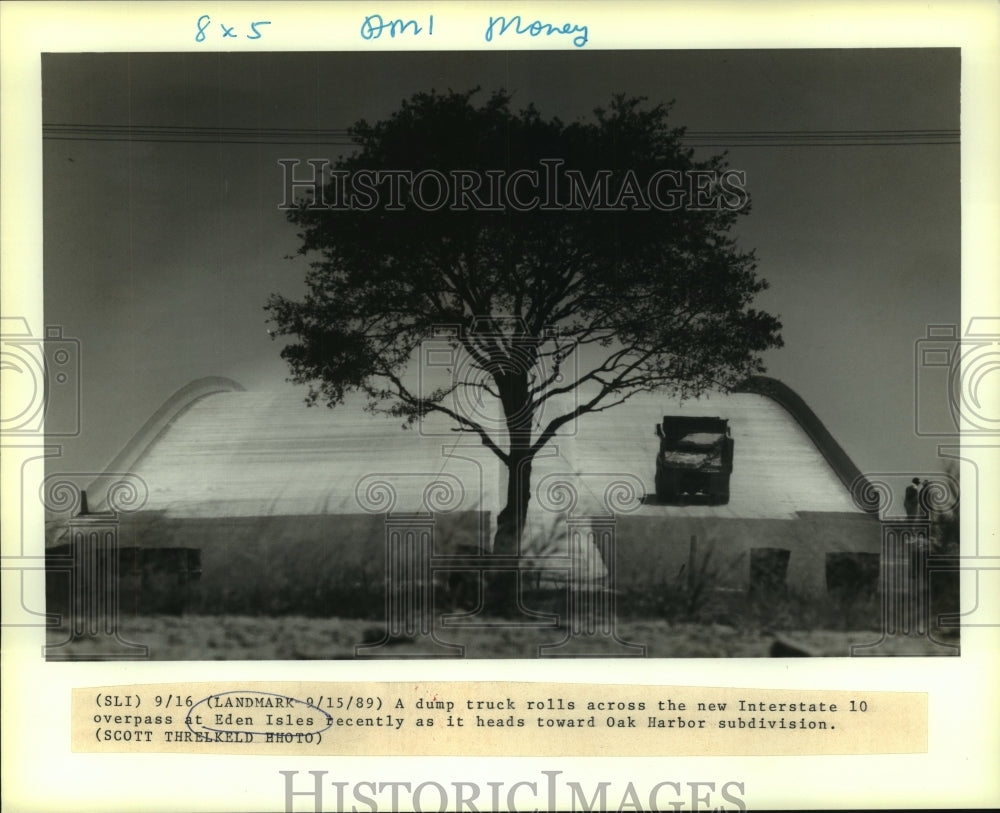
(374, 26)
(499, 26)
(228, 32)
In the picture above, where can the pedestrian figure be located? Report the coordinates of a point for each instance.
(911, 502)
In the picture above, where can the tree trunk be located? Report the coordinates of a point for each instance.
(511, 519)
(503, 584)
(516, 402)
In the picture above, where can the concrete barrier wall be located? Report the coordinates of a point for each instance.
(335, 565)
(652, 552)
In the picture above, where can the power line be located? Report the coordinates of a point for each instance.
(819, 138)
(176, 134)
(179, 134)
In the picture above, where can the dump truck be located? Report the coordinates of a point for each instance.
(695, 460)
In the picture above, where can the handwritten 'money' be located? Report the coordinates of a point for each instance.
(499, 26)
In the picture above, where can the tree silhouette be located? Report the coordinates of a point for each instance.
(561, 263)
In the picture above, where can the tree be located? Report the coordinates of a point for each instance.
(587, 261)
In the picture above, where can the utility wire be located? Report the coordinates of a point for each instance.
(339, 137)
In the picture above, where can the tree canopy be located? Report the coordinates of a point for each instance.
(590, 259)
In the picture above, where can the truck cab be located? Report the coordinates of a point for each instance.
(695, 460)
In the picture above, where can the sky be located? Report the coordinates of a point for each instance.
(159, 255)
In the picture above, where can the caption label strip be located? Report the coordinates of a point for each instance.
(477, 719)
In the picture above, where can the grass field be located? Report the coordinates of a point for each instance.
(296, 638)
(722, 624)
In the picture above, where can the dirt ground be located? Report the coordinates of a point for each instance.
(193, 637)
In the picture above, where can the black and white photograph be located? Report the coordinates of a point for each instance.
(505, 355)
(479, 365)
